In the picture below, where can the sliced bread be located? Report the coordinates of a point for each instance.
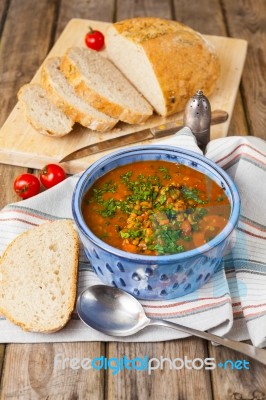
(165, 60)
(103, 86)
(38, 277)
(64, 96)
(40, 111)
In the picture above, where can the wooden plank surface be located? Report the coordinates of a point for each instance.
(22, 375)
(4, 4)
(163, 383)
(2, 355)
(146, 8)
(231, 384)
(246, 19)
(21, 144)
(238, 125)
(100, 10)
(3, 13)
(30, 372)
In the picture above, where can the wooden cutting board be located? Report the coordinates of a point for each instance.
(21, 144)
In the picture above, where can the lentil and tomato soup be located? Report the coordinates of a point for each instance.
(155, 208)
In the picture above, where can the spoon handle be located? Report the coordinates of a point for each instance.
(250, 351)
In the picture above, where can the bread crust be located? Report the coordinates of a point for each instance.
(74, 278)
(180, 57)
(94, 98)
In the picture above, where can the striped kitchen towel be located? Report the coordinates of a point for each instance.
(232, 303)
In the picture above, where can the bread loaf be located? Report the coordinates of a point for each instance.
(103, 86)
(38, 277)
(63, 95)
(165, 60)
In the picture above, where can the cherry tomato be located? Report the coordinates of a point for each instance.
(94, 39)
(51, 175)
(27, 185)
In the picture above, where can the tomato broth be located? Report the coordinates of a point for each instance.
(155, 208)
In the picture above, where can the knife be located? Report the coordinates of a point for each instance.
(170, 128)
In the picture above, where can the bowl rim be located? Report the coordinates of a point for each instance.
(221, 237)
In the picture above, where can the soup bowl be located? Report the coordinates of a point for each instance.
(147, 276)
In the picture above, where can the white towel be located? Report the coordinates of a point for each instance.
(232, 303)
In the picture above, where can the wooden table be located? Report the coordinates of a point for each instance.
(28, 29)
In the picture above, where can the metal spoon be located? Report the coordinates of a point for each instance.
(115, 312)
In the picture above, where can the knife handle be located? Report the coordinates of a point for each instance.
(217, 117)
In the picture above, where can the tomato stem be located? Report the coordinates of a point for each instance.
(44, 170)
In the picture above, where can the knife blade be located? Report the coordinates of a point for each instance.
(168, 129)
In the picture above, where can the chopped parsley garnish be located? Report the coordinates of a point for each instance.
(220, 198)
(110, 207)
(147, 197)
(192, 194)
(108, 187)
(125, 177)
(150, 215)
(166, 174)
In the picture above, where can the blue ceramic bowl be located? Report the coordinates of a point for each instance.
(155, 277)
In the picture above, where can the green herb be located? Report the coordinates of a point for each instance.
(192, 194)
(170, 249)
(132, 233)
(162, 205)
(163, 169)
(187, 238)
(199, 214)
(143, 189)
(126, 177)
(220, 198)
(174, 192)
(180, 249)
(109, 208)
(126, 207)
(162, 199)
(108, 187)
(171, 214)
(104, 235)
(165, 240)
(208, 238)
(124, 235)
(87, 201)
(166, 174)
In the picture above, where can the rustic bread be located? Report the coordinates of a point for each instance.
(103, 86)
(42, 113)
(64, 97)
(38, 277)
(166, 60)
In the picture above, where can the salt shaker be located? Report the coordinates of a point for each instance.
(197, 117)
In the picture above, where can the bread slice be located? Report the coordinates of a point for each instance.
(165, 60)
(103, 86)
(64, 97)
(42, 113)
(38, 277)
